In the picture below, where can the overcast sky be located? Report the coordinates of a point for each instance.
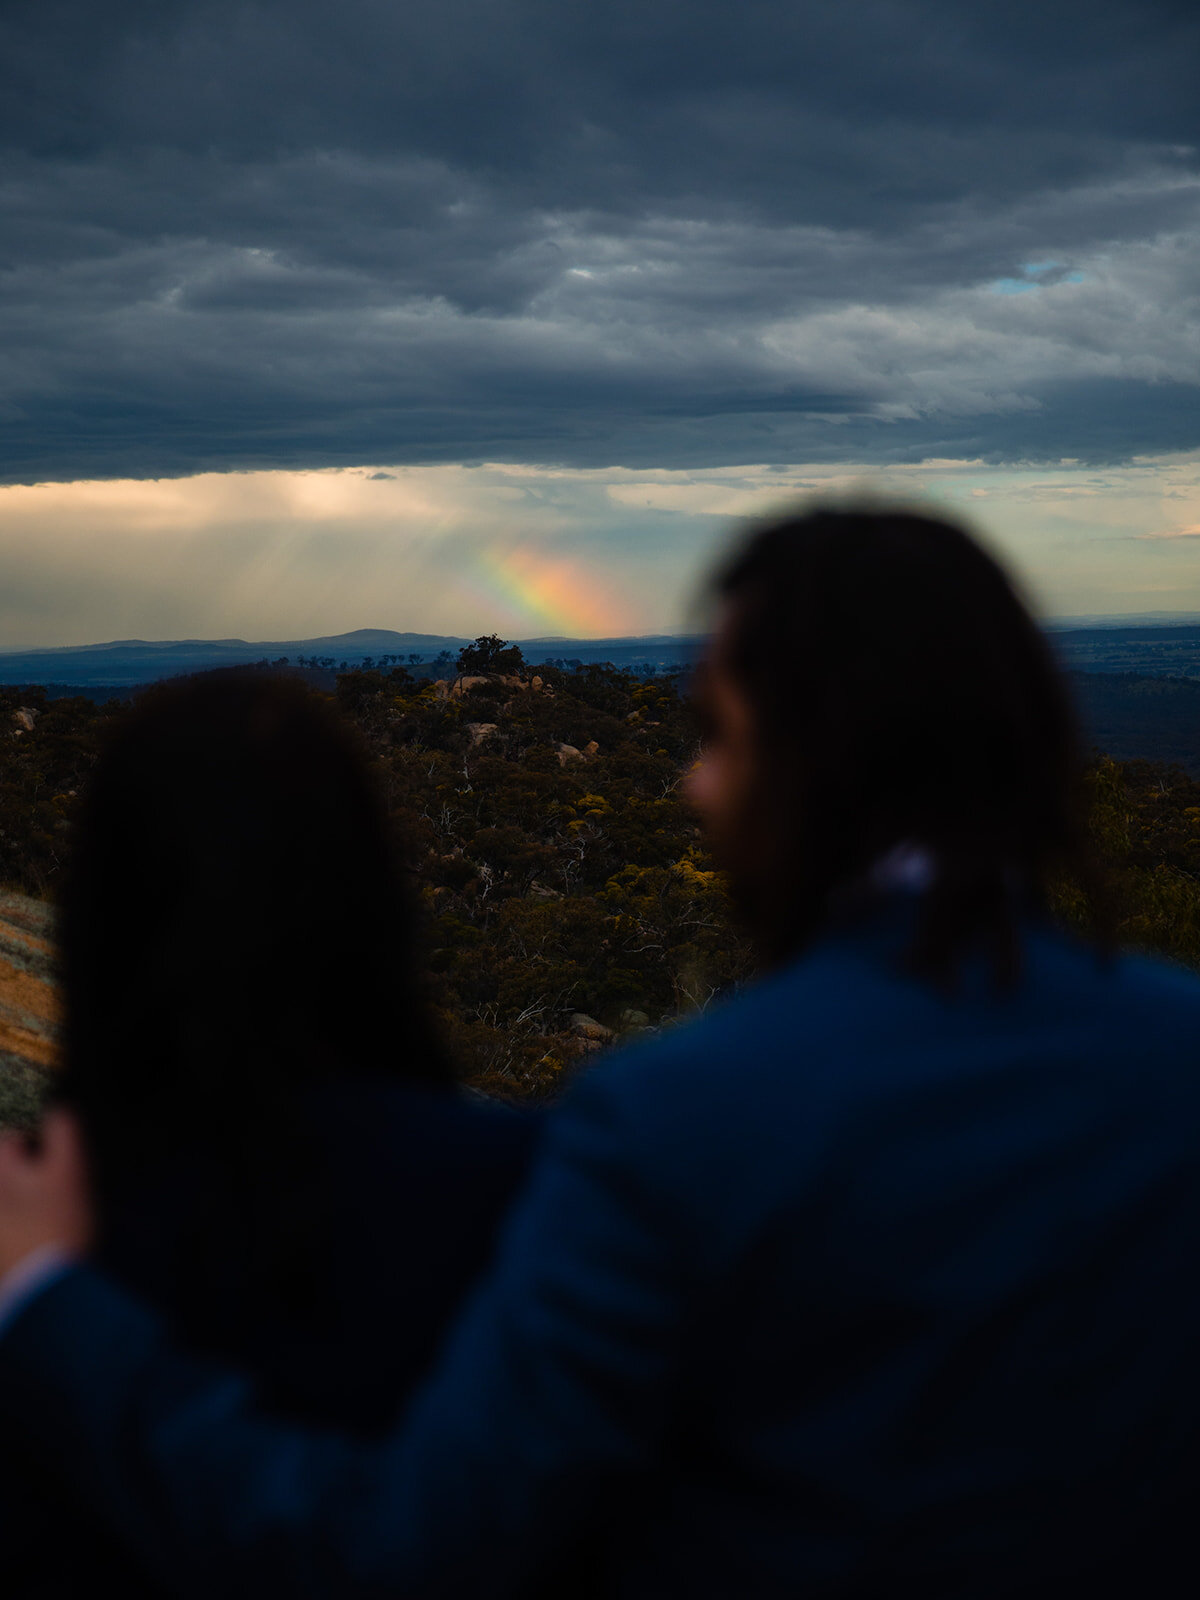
(606, 246)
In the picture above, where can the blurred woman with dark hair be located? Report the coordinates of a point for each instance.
(280, 1159)
(876, 1279)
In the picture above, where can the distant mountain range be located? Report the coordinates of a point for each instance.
(1163, 645)
(124, 663)
(1138, 619)
(1136, 682)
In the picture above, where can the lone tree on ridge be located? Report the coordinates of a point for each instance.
(490, 653)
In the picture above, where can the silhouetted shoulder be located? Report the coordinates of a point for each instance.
(851, 1000)
(844, 1062)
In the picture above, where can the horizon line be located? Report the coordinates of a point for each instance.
(1060, 622)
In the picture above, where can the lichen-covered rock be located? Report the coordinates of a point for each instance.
(585, 1027)
(29, 1007)
(462, 686)
(507, 680)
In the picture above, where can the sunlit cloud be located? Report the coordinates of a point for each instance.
(294, 554)
(528, 551)
(1192, 532)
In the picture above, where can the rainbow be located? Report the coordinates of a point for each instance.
(546, 593)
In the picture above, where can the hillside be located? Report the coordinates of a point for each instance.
(569, 897)
(1134, 717)
(1154, 650)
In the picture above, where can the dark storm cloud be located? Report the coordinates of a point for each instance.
(645, 234)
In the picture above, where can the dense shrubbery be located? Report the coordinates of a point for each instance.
(562, 874)
(568, 891)
(1145, 820)
(562, 871)
(42, 769)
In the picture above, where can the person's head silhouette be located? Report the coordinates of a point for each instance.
(875, 685)
(235, 926)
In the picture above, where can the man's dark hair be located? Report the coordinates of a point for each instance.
(236, 931)
(902, 694)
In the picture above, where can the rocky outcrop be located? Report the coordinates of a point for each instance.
(585, 1027)
(456, 688)
(29, 1008)
(462, 686)
(24, 718)
(571, 752)
(480, 731)
(542, 891)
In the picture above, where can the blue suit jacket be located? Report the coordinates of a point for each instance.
(849, 1288)
(413, 1183)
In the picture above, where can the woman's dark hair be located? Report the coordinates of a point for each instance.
(901, 694)
(235, 931)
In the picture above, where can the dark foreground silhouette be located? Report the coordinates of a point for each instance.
(878, 1279)
(283, 1168)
